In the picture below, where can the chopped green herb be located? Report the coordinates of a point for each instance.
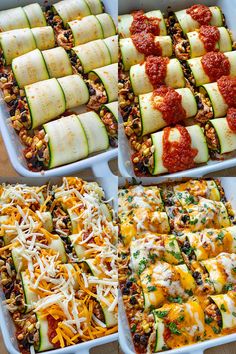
(216, 330)
(148, 277)
(208, 320)
(189, 292)
(130, 198)
(135, 254)
(193, 222)
(181, 318)
(190, 200)
(152, 257)
(133, 328)
(234, 314)
(220, 236)
(161, 314)
(173, 328)
(234, 269)
(222, 307)
(171, 243)
(203, 220)
(132, 279)
(177, 299)
(151, 288)
(177, 255)
(228, 287)
(142, 265)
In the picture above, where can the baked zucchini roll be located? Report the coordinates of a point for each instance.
(162, 107)
(22, 17)
(152, 22)
(21, 41)
(211, 67)
(177, 325)
(156, 71)
(137, 47)
(197, 15)
(109, 116)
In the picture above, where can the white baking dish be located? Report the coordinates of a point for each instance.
(7, 327)
(125, 340)
(229, 9)
(97, 162)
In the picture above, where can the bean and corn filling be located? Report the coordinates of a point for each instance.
(37, 152)
(98, 95)
(111, 125)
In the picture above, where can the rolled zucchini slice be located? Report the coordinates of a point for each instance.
(131, 56)
(95, 132)
(75, 90)
(199, 74)
(67, 141)
(152, 119)
(13, 19)
(221, 270)
(46, 218)
(69, 10)
(125, 22)
(93, 55)
(44, 37)
(29, 68)
(226, 137)
(86, 30)
(226, 304)
(198, 142)
(188, 24)
(112, 44)
(109, 77)
(140, 81)
(57, 62)
(197, 48)
(16, 43)
(218, 103)
(113, 108)
(44, 342)
(30, 297)
(107, 24)
(95, 6)
(46, 101)
(35, 15)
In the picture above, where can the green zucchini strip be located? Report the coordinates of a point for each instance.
(44, 37)
(226, 137)
(69, 10)
(109, 77)
(93, 55)
(75, 90)
(125, 22)
(226, 304)
(107, 24)
(198, 142)
(188, 24)
(113, 108)
(112, 44)
(66, 140)
(152, 119)
(86, 30)
(200, 77)
(35, 15)
(95, 6)
(131, 56)
(13, 19)
(140, 81)
(57, 62)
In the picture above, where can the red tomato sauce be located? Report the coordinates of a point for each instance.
(231, 119)
(142, 23)
(215, 65)
(200, 13)
(209, 35)
(145, 44)
(52, 326)
(227, 87)
(178, 155)
(156, 68)
(171, 105)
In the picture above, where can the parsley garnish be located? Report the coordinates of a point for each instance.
(161, 314)
(142, 265)
(222, 307)
(173, 328)
(177, 299)
(133, 328)
(151, 288)
(135, 254)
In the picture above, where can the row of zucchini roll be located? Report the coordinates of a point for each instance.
(57, 260)
(157, 90)
(178, 279)
(43, 79)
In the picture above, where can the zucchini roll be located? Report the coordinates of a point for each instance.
(177, 325)
(109, 116)
(112, 44)
(77, 139)
(156, 156)
(48, 99)
(192, 18)
(136, 48)
(153, 246)
(18, 42)
(152, 22)
(211, 67)
(156, 71)
(102, 84)
(22, 17)
(209, 243)
(162, 107)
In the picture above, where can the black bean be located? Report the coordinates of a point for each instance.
(48, 8)
(126, 291)
(24, 118)
(133, 301)
(143, 339)
(129, 283)
(185, 218)
(40, 153)
(137, 337)
(113, 142)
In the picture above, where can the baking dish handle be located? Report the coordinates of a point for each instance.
(102, 168)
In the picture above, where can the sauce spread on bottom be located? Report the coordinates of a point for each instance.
(231, 119)
(171, 105)
(178, 155)
(200, 13)
(209, 35)
(145, 44)
(215, 65)
(227, 87)
(142, 23)
(52, 326)
(156, 68)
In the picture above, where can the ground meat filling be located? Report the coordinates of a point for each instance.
(97, 93)
(212, 314)
(62, 223)
(205, 111)
(37, 153)
(65, 39)
(212, 138)
(75, 62)
(111, 125)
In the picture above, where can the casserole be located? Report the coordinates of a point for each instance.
(124, 334)
(6, 322)
(98, 163)
(125, 163)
